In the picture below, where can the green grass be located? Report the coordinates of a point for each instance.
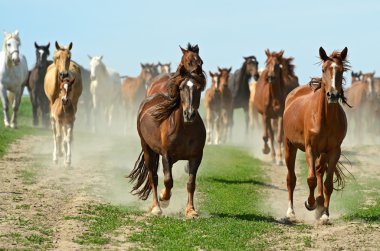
(229, 184)
(24, 119)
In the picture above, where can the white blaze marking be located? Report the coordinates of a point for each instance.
(190, 84)
(333, 66)
(41, 52)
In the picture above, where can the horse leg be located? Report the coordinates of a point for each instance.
(34, 109)
(246, 119)
(320, 170)
(291, 179)
(271, 138)
(151, 162)
(209, 125)
(266, 122)
(110, 113)
(311, 179)
(5, 101)
(94, 112)
(333, 158)
(168, 181)
(193, 168)
(280, 138)
(55, 140)
(68, 140)
(218, 124)
(15, 107)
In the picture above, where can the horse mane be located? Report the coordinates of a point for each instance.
(243, 77)
(290, 66)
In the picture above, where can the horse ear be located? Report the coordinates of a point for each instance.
(267, 52)
(183, 50)
(89, 57)
(343, 54)
(322, 54)
(142, 65)
(57, 45)
(220, 70)
(48, 45)
(281, 53)
(159, 63)
(196, 49)
(101, 57)
(245, 58)
(373, 73)
(16, 32)
(211, 74)
(36, 45)
(229, 70)
(70, 46)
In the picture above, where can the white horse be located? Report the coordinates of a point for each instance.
(105, 89)
(13, 75)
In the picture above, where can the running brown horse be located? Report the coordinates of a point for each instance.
(63, 87)
(239, 85)
(170, 125)
(213, 107)
(290, 78)
(315, 122)
(270, 102)
(35, 85)
(133, 92)
(227, 104)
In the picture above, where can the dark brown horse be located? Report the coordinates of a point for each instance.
(170, 126)
(213, 107)
(239, 85)
(315, 122)
(270, 101)
(227, 103)
(35, 85)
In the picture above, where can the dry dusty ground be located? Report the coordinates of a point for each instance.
(36, 196)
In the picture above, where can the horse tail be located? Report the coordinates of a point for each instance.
(340, 175)
(140, 173)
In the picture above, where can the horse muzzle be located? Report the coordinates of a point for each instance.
(64, 75)
(256, 77)
(333, 98)
(189, 115)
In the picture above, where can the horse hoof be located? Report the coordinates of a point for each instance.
(156, 211)
(55, 161)
(290, 214)
(325, 220)
(308, 207)
(13, 126)
(164, 203)
(266, 150)
(191, 214)
(319, 212)
(67, 164)
(280, 163)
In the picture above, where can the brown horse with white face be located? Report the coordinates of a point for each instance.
(164, 68)
(269, 101)
(63, 87)
(170, 126)
(227, 103)
(316, 123)
(213, 107)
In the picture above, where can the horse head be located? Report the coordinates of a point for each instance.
(62, 58)
(11, 46)
(147, 71)
(214, 80)
(356, 76)
(42, 52)
(252, 67)
(164, 68)
(333, 67)
(65, 87)
(369, 78)
(224, 74)
(191, 62)
(273, 65)
(96, 65)
(190, 94)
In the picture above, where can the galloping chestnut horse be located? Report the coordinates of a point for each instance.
(270, 101)
(63, 87)
(170, 126)
(213, 106)
(239, 85)
(315, 122)
(227, 103)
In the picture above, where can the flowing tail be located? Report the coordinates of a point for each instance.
(140, 173)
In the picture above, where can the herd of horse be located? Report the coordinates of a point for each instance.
(310, 117)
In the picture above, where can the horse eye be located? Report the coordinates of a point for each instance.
(323, 70)
(9, 44)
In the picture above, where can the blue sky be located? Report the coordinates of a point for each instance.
(129, 32)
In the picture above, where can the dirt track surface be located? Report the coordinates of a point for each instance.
(36, 196)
